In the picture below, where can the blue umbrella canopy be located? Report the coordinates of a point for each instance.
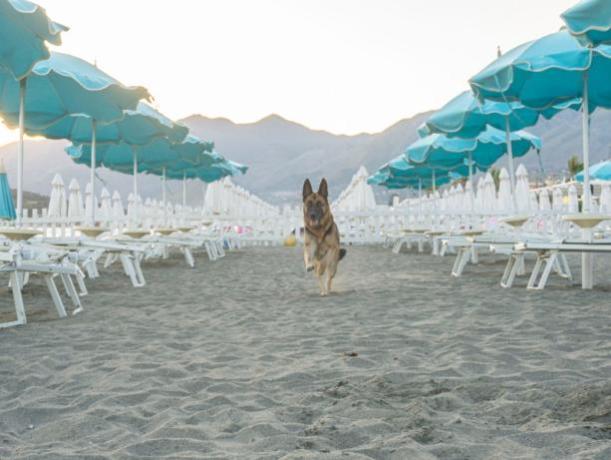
(24, 29)
(546, 72)
(207, 173)
(551, 70)
(137, 127)
(159, 152)
(378, 178)
(7, 208)
(400, 167)
(590, 21)
(465, 116)
(438, 150)
(234, 167)
(396, 183)
(191, 154)
(599, 171)
(398, 173)
(65, 85)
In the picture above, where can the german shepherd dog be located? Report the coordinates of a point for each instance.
(321, 251)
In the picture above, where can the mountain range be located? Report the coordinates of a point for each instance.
(281, 153)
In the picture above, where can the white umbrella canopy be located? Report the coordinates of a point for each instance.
(479, 195)
(558, 200)
(117, 206)
(489, 193)
(573, 204)
(90, 200)
(544, 203)
(210, 198)
(523, 190)
(57, 205)
(358, 195)
(465, 199)
(505, 199)
(105, 205)
(131, 204)
(443, 202)
(75, 200)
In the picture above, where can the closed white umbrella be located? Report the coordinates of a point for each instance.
(522, 191)
(558, 201)
(90, 200)
(489, 193)
(105, 205)
(544, 203)
(54, 208)
(505, 200)
(75, 200)
(605, 198)
(117, 206)
(573, 204)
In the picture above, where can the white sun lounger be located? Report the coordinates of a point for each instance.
(89, 250)
(22, 259)
(552, 253)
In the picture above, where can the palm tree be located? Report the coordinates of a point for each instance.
(575, 166)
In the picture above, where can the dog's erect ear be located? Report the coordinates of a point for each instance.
(323, 189)
(307, 189)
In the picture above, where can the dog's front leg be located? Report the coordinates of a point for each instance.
(321, 284)
(309, 254)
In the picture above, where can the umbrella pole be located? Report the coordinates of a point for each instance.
(163, 194)
(419, 199)
(472, 194)
(184, 189)
(92, 176)
(434, 182)
(20, 151)
(512, 179)
(585, 126)
(135, 171)
(587, 266)
(204, 190)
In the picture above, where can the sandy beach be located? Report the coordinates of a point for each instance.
(241, 359)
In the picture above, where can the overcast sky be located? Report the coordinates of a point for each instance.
(345, 66)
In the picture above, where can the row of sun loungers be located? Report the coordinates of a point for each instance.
(74, 259)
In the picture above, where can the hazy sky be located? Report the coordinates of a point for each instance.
(346, 66)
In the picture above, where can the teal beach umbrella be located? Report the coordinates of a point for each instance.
(398, 173)
(551, 70)
(159, 152)
(191, 158)
(62, 86)
(590, 21)
(216, 169)
(599, 171)
(439, 150)
(466, 117)
(137, 127)
(65, 85)
(24, 31)
(7, 208)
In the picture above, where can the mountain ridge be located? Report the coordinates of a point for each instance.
(281, 153)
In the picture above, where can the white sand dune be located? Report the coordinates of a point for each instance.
(241, 359)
